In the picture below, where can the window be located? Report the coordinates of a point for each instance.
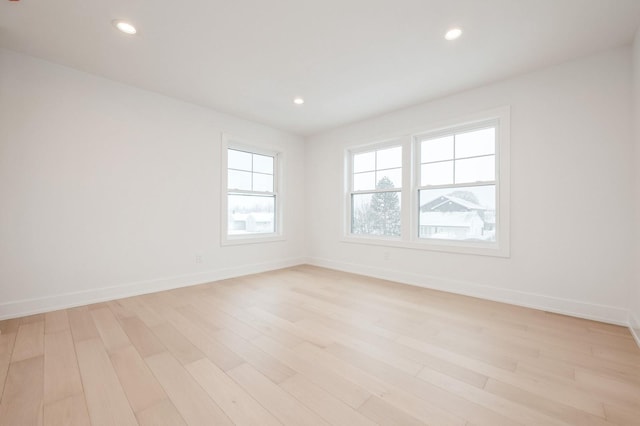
(453, 182)
(252, 201)
(457, 185)
(376, 185)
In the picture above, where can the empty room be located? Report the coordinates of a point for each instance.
(411, 212)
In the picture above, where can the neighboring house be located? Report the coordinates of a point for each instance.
(251, 222)
(449, 217)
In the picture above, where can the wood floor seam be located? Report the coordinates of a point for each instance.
(307, 345)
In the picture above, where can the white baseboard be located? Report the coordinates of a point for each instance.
(603, 313)
(608, 314)
(25, 307)
(634, 326)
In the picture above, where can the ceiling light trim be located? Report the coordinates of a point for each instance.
(453, 34)
(124, 27)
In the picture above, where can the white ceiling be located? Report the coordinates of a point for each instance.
(349, 59)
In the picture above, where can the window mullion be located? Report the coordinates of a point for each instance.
(454, 160)
(406, 202)
(375, 191)
(255, 193)
(252, 171)
(458, 185)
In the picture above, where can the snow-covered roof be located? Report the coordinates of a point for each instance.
(464, 203)
(258, 217)
(452, 219)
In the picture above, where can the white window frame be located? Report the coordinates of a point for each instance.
(410, 205)
(350, 192)
(231, 142)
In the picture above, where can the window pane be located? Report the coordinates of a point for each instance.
(480, 169)
(239, 180)
(389, 158)
(376, 214)
(262, 182)
(364, 181)
(463, 214)
(239, 160)
(251, 214)
(478, 142)
(387, 179)
(436, 173)
(436, 149)
(364, 162)
(262, 164)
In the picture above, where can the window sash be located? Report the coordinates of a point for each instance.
(458, 185)
(375, 170)
(453, 131)
(272, 199)
(485, 232)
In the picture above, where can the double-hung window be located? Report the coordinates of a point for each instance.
(454, 183)
(375, 196)
(457, 184)
(252, 201)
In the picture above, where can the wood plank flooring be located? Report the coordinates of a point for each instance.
(307, 345)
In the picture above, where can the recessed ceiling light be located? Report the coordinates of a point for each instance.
(298, 101)
(453, 34)
(125, 27)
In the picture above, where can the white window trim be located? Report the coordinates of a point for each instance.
(231, 142)
(349, 184)
(410, 161)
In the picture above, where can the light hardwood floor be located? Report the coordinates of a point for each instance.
(307, 345)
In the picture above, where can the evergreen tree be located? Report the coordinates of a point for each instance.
(385, 210)
(381, 215)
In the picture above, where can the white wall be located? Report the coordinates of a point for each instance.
(107, 190)
(105, 185)
(571, 181)
(635, 285)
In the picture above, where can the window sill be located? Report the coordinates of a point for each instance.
(251, 239)
(473, 248)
